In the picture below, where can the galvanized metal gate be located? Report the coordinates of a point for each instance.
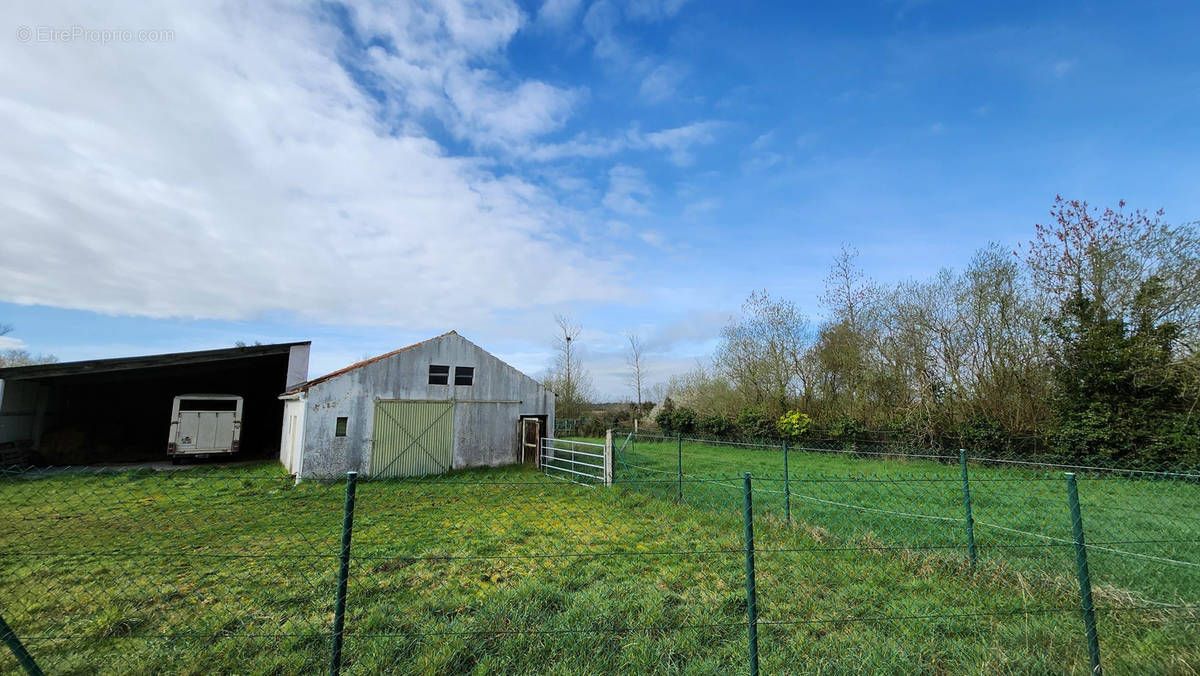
(412, 438)
(578, 461)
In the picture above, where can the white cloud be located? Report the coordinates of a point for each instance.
(240, 170)
(702, 206)
(617, 228)
(661, 83)
(763, 141)
(489, 114)
(1063, 67)
(627, 191)
(11, 343)
(653, 10)
(600, 23)
(441, 60)
(653, 238)
(558, 13)
(677, 142)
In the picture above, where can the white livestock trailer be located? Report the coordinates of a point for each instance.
(203, 425)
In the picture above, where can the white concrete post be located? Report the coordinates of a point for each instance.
(608, 458)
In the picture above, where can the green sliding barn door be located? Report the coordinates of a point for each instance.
(412, 438)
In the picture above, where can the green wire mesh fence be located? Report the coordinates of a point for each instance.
(933, 544)
(513, 571)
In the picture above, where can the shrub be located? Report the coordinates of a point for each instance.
(681, 420)
(684, 420)
(592, 427)
(793, 425)
(846, 429)
(665, 416)
(754, 423)
(981, 435)
(717, 425)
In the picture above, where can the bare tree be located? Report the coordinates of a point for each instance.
(760, 353)
(569, 380)
(18, 357)
(849, 337)
(637, 371)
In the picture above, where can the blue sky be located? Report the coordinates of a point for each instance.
(367, 175)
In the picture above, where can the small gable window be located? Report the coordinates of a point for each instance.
(439, 375)
(339, 429)
(464, 375)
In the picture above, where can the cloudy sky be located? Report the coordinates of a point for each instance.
(179, 176)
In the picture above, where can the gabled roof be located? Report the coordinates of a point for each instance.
(304, 386)
(94, 366)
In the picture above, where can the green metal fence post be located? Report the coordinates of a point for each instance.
(18, 650)
(751, 589)
(679, 445)
(339, 612)
(787, 485)
(1085, 578)
(962, 461)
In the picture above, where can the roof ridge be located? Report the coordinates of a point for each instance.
(357, 365)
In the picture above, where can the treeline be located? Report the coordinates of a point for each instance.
(1081, 345)
(21, 357)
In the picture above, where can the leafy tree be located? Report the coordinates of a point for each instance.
(754, 423)
(1115, 390)
(717, 425)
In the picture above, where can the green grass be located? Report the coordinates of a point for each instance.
(1144, 532)
(506, 571)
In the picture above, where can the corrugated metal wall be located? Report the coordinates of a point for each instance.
(412, 438)
(485, 420)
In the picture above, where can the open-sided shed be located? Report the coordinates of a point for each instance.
(119, 410)
(441, 404)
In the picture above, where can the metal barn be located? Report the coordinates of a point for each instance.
(441, 404)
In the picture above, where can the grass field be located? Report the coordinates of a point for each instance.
(1144, 532)
(507, 571)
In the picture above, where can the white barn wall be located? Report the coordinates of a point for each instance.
(485, 434)
(291, 444)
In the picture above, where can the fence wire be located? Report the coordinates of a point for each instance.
(952, 567)
(933, 545)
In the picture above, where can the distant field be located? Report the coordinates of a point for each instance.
(507, 571)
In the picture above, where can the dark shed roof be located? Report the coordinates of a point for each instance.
(95, 366)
